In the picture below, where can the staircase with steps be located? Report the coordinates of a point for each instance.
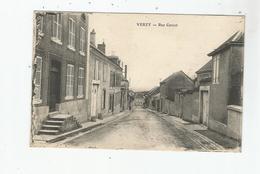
(57, 123)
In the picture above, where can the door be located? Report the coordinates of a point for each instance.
(111, 102)
(94, 95)
(54, 97)
(205, 107)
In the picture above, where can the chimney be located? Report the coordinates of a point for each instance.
(102, 47)
(126, 72)
(93, 37)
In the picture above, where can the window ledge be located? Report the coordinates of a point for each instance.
(80, 96)
(71, 48)
(56, 40)
(69, 97)
(37, 101)
(95, 81)
(82, 53)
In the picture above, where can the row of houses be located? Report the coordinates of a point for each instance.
(74, 81)
(214, 98)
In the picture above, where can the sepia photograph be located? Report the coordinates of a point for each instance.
(139, 81)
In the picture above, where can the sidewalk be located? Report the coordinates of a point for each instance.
(202, 131)
(43, 139)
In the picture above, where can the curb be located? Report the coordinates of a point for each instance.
(80, 130)
(72, 133)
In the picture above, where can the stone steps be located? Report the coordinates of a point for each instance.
(48, 132)
(57, 123)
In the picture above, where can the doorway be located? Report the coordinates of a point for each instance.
(94, 95)
(204, 107)
(54, 98)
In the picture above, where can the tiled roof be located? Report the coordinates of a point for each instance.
(205, 68)
(237, 38)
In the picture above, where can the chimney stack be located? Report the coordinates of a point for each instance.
(102, 47)
(126, 72)
(93, 37)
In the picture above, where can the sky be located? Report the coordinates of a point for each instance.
(154, 52)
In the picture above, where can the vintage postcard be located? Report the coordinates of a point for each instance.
(137, 81)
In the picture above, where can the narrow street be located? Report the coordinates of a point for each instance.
(142, 129)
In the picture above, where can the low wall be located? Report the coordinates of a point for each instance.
(218, 127)
(77, 108)
(171, 108)
(40, 114)
(234, 122)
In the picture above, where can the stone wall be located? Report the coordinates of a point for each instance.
(218, 127)
(77, 108)
(234, 122)
(38, 116)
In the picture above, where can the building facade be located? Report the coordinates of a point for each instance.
(171, 90)
(227, 84)
(152, 99)
(61, 58)
(204, 77)
(108, 87)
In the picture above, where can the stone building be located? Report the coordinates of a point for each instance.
(204, 77)
(226, 87)
(152, 99)
(108, 86)
(60, 71)
(171, 90)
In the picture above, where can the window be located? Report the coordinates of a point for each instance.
(56, 28)
(80, 82)
(82, 41)
(96, 69)
(216, 69)
(99, 70)
(112, 79)
(104, 72)
(37, 80)
(70, 81)
(72, 34)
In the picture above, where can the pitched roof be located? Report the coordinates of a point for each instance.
(205, 68)
(154, 90)
(174, 75)
(104, 55)
(237, 38)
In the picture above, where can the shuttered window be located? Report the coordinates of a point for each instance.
(37, 80)
(216, 69)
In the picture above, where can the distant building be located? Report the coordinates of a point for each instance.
(152, 99)
(139, 98)
(171, 90)
(61, 58)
